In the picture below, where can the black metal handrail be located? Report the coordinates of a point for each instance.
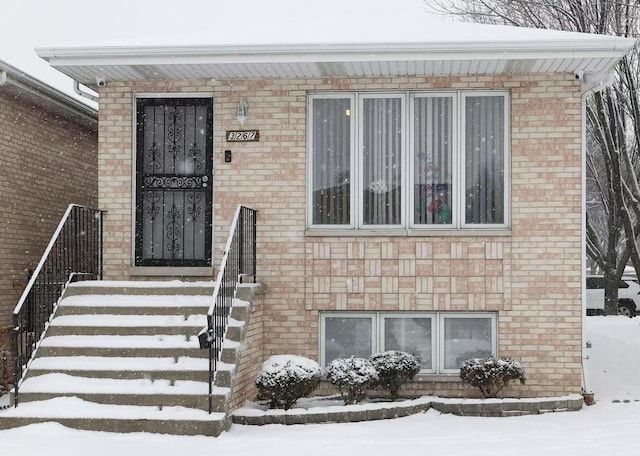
(74, 253)
(238, 261)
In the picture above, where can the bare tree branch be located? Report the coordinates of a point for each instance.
(613, 119)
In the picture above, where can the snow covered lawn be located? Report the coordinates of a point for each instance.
(608, 428)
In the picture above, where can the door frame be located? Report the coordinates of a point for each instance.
(139, 270)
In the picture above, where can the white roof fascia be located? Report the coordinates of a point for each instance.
(201, 54)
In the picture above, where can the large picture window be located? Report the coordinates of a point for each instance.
(441, 340)
(408, 160)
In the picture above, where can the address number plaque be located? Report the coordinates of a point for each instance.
(243, 135)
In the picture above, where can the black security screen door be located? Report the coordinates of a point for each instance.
(174, 181)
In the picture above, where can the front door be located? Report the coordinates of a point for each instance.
(174, 181)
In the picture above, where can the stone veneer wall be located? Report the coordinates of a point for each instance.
(48, 161)
(530, 276)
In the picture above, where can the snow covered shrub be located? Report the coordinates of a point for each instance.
(478, 353)
(394, 368)
(490, 375)
(353, 376)
(284, 379)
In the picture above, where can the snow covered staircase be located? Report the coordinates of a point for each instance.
(125, 357)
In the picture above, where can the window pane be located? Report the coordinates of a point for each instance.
(412, 335)
(466, 338)
(433, 123)
(381, 161)
(345, 337)
(331, 142)
(484, 159)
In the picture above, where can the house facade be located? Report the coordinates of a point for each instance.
(48, 146)
(424, 196)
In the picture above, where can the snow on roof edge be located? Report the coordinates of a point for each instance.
(24, 80)
(594, 43)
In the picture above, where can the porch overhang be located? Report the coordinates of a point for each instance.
(586, 55)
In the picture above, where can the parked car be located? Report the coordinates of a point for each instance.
(628, 296)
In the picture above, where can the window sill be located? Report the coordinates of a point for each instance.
(396, 232)
(438, 378)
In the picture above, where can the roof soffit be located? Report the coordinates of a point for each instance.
(340, 60)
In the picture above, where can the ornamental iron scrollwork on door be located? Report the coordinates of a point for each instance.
(173, 187)
(195, 208)
(173, 232)
(153, 206)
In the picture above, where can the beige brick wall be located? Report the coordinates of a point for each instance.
(48, 162)
(530, 277)
(252, 357)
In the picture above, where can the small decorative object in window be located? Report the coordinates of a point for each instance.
(491, 374)
(379, 186)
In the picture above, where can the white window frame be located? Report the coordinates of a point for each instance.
(454, 159)
(408, 163)
(441, 334)
(506, 155)
(437, 333)
(324, 316)
(352, 159)
(381, 336)
(359, 190)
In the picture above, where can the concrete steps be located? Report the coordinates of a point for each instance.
(125, 357)
(80, 414)
(151, 368)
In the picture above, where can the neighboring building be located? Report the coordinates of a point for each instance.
(420, 191)
(48, 148)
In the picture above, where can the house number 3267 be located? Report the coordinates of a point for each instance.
(243, 135)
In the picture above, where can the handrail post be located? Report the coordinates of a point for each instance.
(254, 223)
(240, 229)
(101, 244)
(211, 374)
(16, 357)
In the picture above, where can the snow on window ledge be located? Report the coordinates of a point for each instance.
(398, 232)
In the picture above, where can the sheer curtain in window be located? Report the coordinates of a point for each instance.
(331, 154)
(484, 159)
(382, 161)
(432, 142)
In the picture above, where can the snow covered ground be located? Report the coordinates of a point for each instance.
(608, 428)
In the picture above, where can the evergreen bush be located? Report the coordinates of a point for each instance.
(284, 379)
(394, 368)
(353, 376)
(491, 375)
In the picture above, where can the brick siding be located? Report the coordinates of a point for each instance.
(530, 277)
(48, 162)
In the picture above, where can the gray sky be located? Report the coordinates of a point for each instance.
(27, 24)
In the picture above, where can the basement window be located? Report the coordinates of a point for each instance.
(441, 340)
